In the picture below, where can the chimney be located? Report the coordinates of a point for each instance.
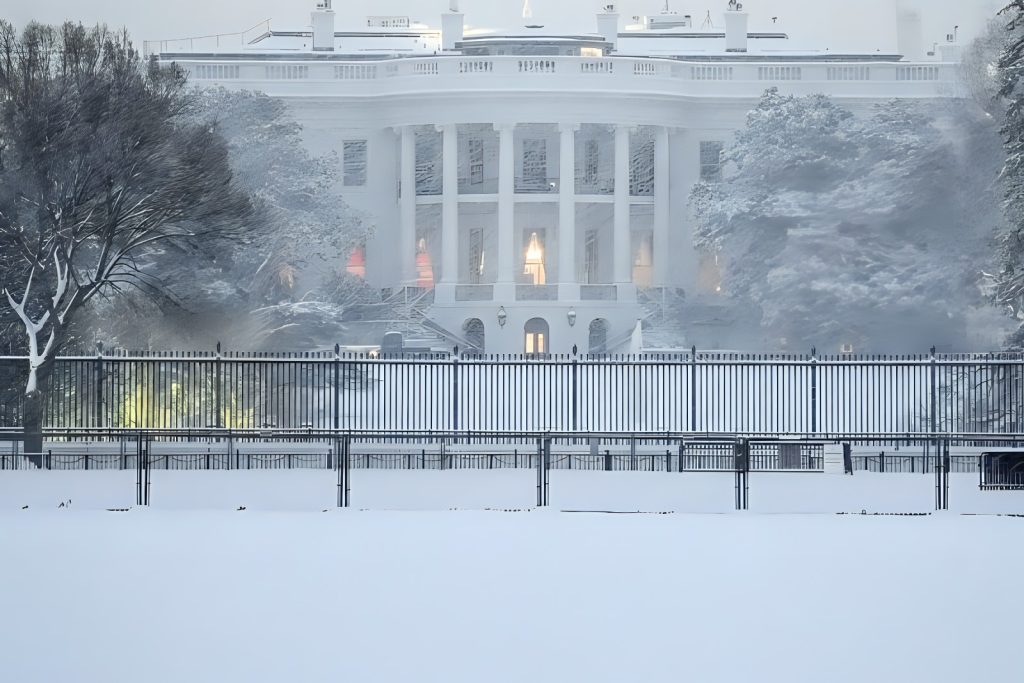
(909, 36)
(736, 22)
(608, 26)
(323, 27)
(950, 53)
(452, 27)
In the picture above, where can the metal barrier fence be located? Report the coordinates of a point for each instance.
(695, 392)
(243, 454)
(343, 451)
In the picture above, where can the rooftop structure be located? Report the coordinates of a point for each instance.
(532, 185)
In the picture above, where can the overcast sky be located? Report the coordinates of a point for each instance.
(812, 24)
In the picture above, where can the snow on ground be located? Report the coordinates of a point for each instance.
(311, 490)
(192, 590)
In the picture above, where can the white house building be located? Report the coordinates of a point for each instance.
(532, 186)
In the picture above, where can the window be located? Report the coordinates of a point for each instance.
(474, 333)
(711, 161)
(641, 167)
(598, 341)
(534, 272)
(428, 163)
(476, 161)
(476, 256)
(537, 342)
(591, 162)
(535, 163)
(643, 259)
(590, 258)
(355, 163)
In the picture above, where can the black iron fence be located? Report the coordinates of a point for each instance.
(695, 392)
(620, 454)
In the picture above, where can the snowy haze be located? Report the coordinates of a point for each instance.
(839, 25)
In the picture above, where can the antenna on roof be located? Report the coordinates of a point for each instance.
(707, 22)
(666, 10)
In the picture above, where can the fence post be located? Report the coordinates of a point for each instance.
(218, 370)
(693, 389)
(455, 390)
(575, 395)
(337, 388)
(814, 390)
(742, 467)
(98, 374)
(942, 475)
(933, 395)
(543, 464)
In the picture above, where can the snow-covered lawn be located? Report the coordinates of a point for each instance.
(192, 590)
(311, 490)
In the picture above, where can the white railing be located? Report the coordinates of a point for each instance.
(624, 74)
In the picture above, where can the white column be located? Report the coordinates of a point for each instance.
(407, 231)
(449, 211)
(506, 211)
(568, 286)
(662, 205)
(621, 248)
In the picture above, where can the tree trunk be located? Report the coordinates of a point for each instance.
(34, 417)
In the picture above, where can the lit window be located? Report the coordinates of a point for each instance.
(424, 267)
(536, 336)
(643, 261)
(711, 161)
(534, 260)
(355, 163)
(357, 263)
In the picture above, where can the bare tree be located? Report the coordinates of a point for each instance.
(101, 166)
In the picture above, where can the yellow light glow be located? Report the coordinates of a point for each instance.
(535, 261)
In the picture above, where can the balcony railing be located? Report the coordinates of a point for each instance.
(428, 188)
(536, 292)
(884, 78)
(595, 186)
(485, 186)
(537, 185)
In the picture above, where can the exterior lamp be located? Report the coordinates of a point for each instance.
(502, 317)
(571, 315)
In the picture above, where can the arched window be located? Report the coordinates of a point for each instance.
(473, 330)
(537, 337)
(599, 336)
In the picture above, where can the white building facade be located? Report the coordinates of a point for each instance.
(533, 187)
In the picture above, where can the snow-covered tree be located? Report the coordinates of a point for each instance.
(276, 288)
(1008, 280)
(101, 168)
(843, 228)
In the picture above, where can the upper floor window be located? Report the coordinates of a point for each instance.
(591, 162)
(355, 163)
(711, 161)
(535, 162)
(476, 161)
(641, 166)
